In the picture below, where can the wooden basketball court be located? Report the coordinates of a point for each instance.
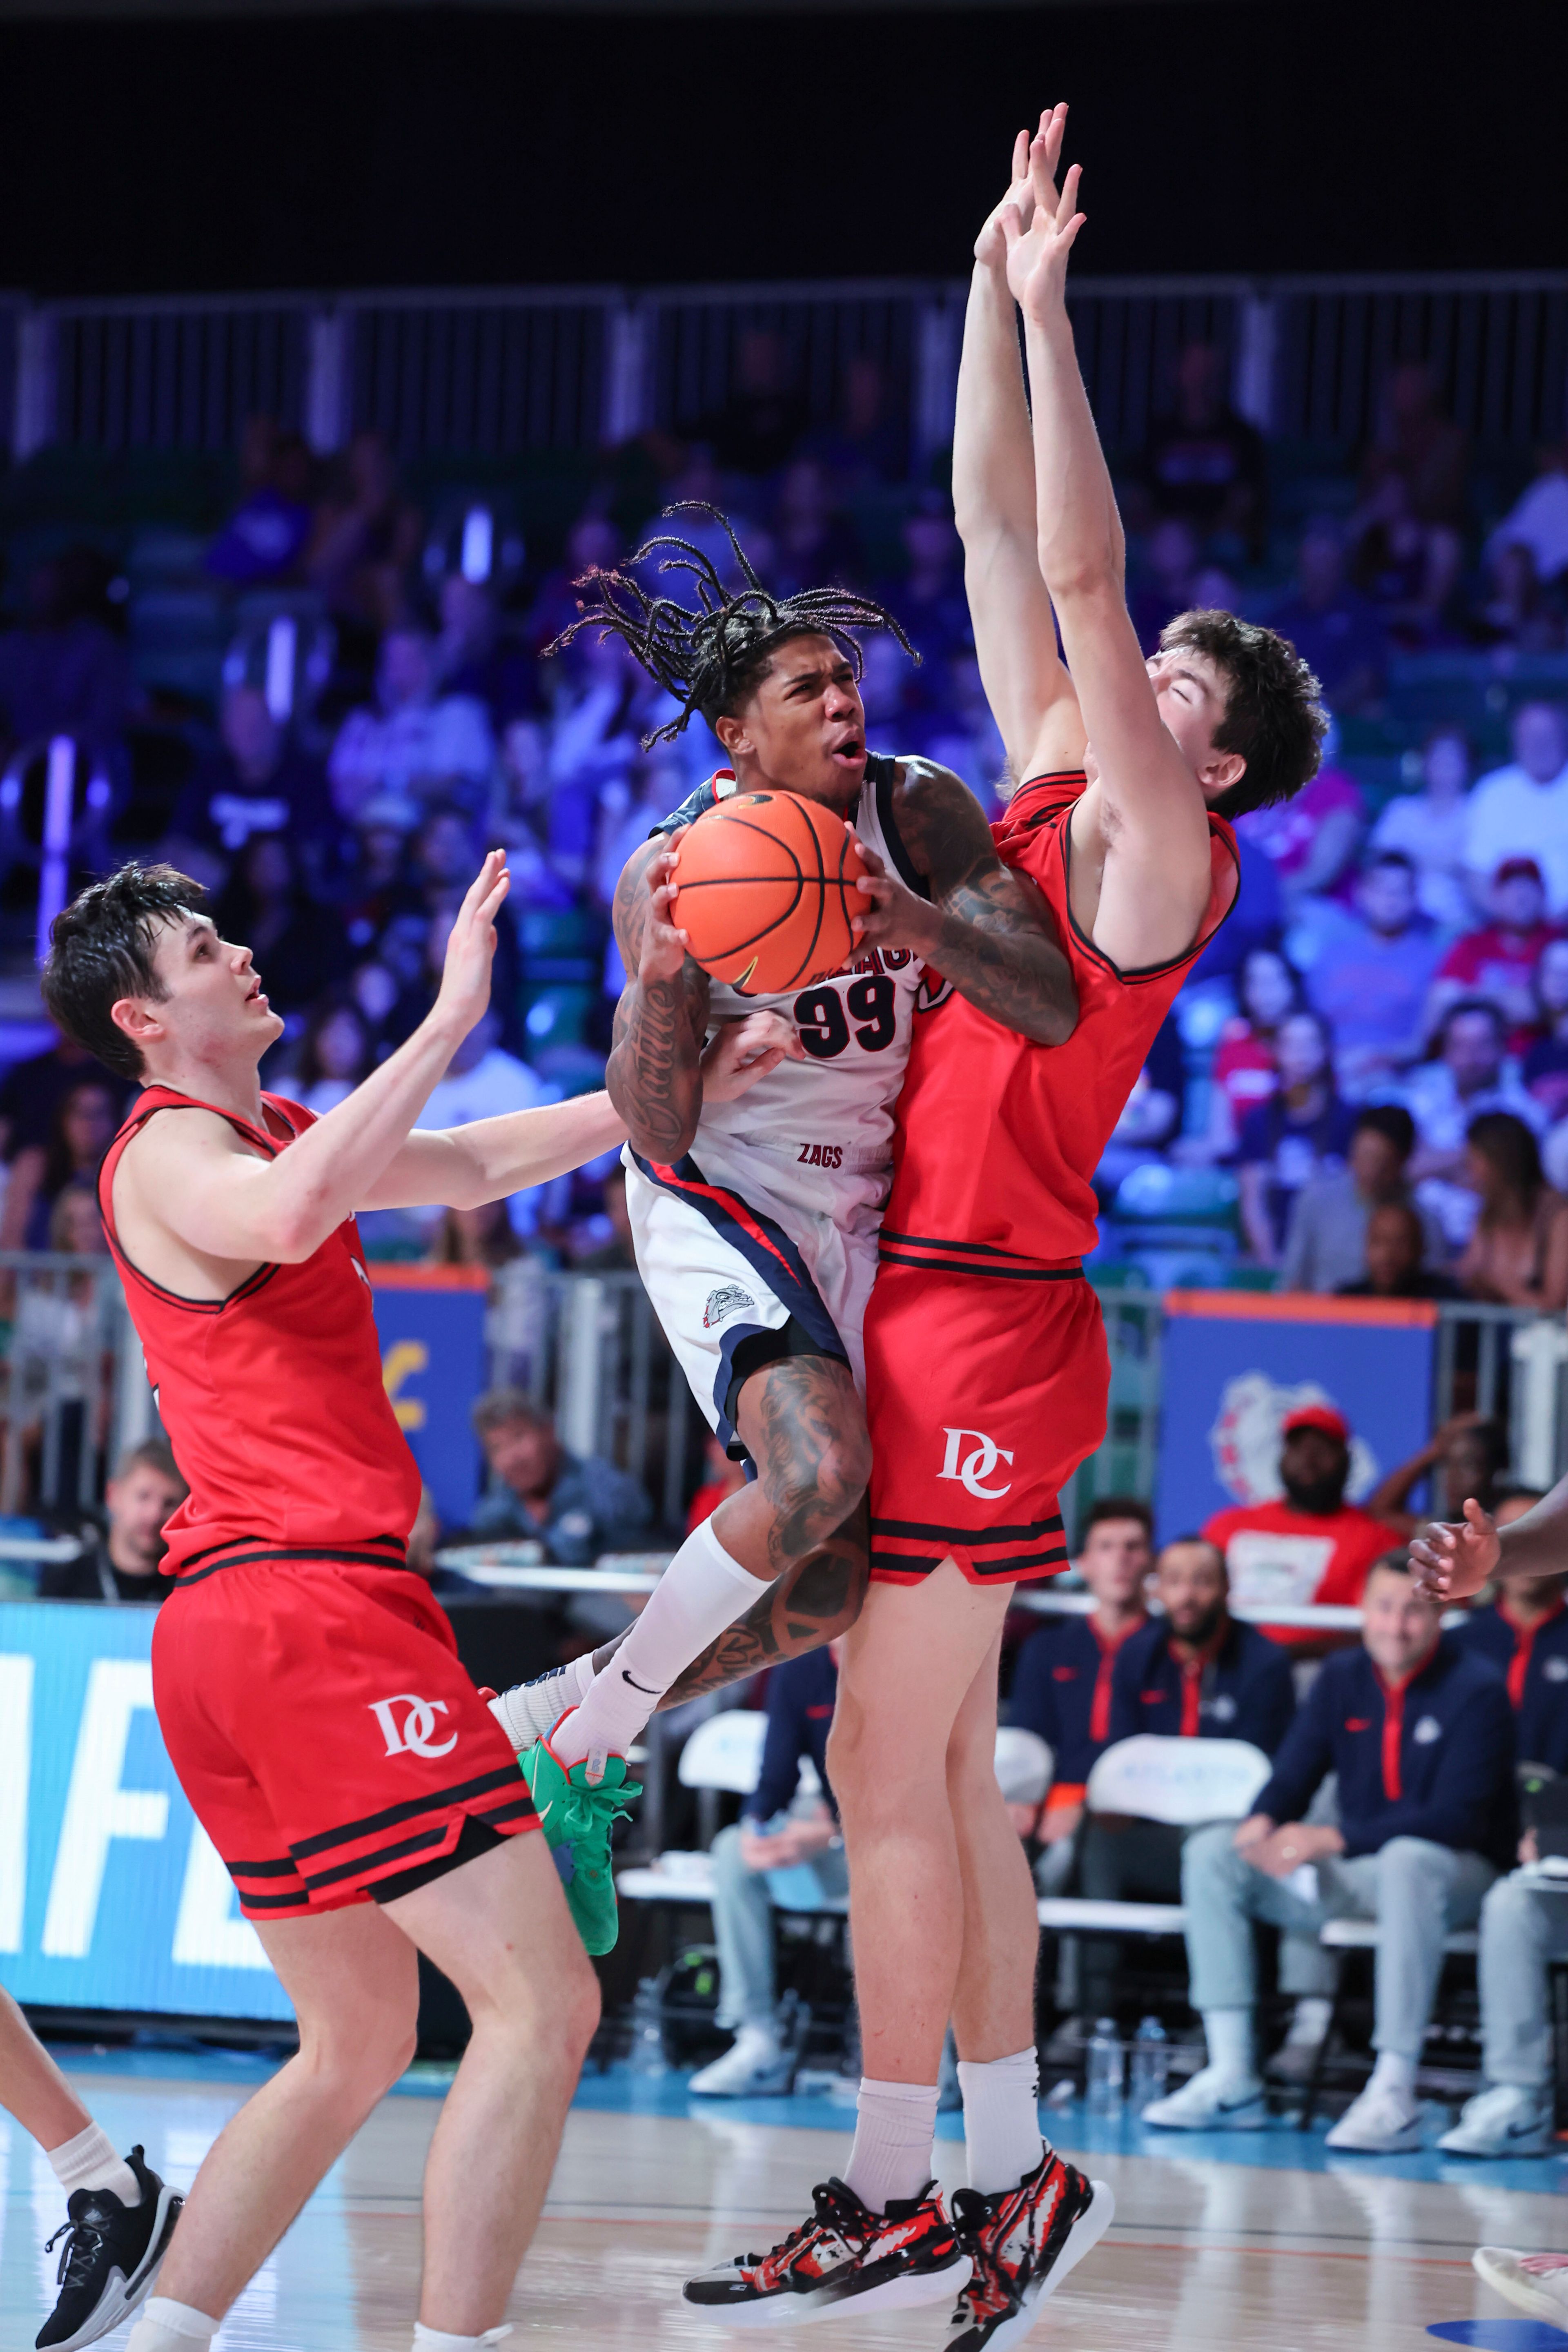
(1222, 2244)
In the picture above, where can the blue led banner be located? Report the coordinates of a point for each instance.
(431, 1322)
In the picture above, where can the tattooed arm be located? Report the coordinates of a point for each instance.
(811, 1604)
(984, 929)
(655, 1070)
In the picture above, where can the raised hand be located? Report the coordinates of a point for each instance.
(1449, 1559)
(465, 989)
(745, 1051)
(1039, 239)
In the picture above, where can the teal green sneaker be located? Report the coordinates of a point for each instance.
(577, 1821)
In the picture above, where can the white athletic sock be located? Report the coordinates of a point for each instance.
(1002, 2119)
(435, 2340)
(1311, 2022)
(1228, 2032)
(167, 2327)
(88, 2162)
(700, 1592)
(895, 2132)
(530, 1711)
(1393, 2073)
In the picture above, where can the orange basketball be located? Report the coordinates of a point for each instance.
(767, 891)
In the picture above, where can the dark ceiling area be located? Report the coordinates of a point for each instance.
(441, 146)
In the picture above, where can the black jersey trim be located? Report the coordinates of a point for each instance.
(300, 1901)
(906, 1564)
(1031, 1533)
(261, 1870)
(420, 1843)
(972, 1249)
(389, 1816)
(982, 1273)
(335, 1554)
(1142, 972)
(885, 783)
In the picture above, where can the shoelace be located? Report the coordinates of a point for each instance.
(828, 2211)
(83, 2241)
(987, 2279)
(580, 1807)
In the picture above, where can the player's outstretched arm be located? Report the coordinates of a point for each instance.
(194, 1178)
(984, 928)
(1141, 831)
(1453, 1559)
(655, 1069)
(1030, 693)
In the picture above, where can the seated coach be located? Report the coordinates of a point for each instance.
(1420, 1734)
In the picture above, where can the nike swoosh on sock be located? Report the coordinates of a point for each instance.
(637, 1685)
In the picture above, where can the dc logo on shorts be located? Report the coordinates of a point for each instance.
(975, 1466)
(412, 1737)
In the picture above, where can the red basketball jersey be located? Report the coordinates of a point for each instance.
(999, 1138)
(272, 1398)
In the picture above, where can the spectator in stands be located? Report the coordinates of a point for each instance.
(1408, 568)
(659, 782)
(1151, 1115)
(483, 1081)
(475, 1237)
(1524, 1926)
(1300, 1130)
(475, 662)
(1395, 1265)
(1517, 1251)
(592, 542)
(1327, 1244)
(416, 743)
(812, 539)
(1244, 1072)
(764, 417)
(84, 1126)
(1204, 462)
(1420, 1735)
(867, 446)
(576, 1508)
(1312, 839)
(961, 733)
(1470, 1451)
(1498, 960)
(1373, 974)
(1311, 1547)
(1522, 810)
(1061, 1683)
(1545, 1066)
(1430, 826)
(614, 1253)
(1194, 1673)
(1470, 1072)
(1333, 627)
(119, 1560)
(930, 599)
(366, 540)
(1420, 447)
(34, 1090)
(65, 672)
(1538, 519)
(779, 1829)
(334, 1053)
(297, 953)
(1517, 611)
(1172, 561)
(595, 728)
(264, 540)
(258, 779)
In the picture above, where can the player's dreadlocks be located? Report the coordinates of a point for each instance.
(710, 659)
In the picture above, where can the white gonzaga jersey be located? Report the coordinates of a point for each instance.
(834, 1110)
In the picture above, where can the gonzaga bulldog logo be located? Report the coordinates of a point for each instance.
(1244, 1439)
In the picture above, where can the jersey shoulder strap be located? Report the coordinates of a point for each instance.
(881, 779)
(719, 787)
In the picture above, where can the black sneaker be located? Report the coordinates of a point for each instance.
(110, 2265)
(845, 2257)
(1022, 2242)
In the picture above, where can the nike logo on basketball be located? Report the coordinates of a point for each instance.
(637, 1685)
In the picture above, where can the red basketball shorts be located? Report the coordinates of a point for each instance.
(324, 1730)
(984, 1391)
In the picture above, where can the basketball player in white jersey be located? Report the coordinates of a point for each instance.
(755, 1227)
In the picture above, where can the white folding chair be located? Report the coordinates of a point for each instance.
(1184, 1782)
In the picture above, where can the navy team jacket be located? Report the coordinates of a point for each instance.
(1533, 1662)
(1430, 1757)
(800, 1702)
(1061, 1689)
(1242, 1690)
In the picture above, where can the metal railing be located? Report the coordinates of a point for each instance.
(507, 369)
(73, 1390)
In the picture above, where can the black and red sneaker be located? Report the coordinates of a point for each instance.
(845, 2257)
(1022, 2242)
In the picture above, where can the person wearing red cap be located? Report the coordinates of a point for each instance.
(1311, 1545)
(1498, 960)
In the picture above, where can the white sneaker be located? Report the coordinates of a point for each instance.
(753, 2067)
(530, 1711)
(1535, 2282)
(1212, 2102)
(1382, 2122)
(1504, 2121)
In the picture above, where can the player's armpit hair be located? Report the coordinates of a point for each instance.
(710, 659)
(102, 949)
(1274, 712)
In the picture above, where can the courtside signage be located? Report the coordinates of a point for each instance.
(111, 1895)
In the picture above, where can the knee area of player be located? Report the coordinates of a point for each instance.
(817, 1495)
